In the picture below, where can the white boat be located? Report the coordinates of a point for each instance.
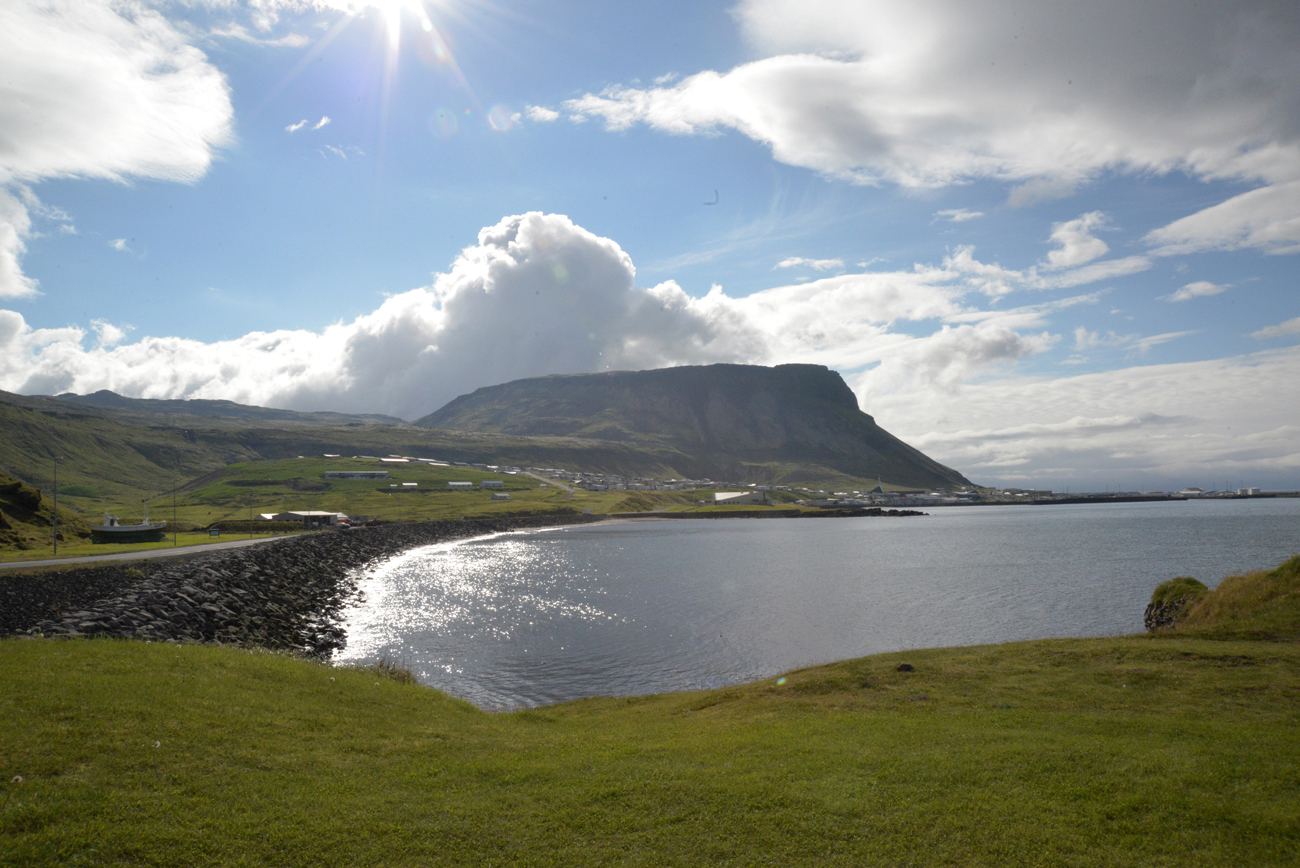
(112, 530)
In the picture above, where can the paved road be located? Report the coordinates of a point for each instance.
(557, 483)
(180, 551)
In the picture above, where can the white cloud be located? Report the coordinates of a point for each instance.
(941, 92)
(957, 215)
(538, 294)
(97, 90)
(322, 122)
(1151, 426)
(233, 30)
(1045, 97)
(15, 227)
(1086, 340)
(1094, 272)
(293, 128)
(119, 244)
(541, 114)
(1285, 329)
(1037, 190)
(1077, 243)
(1266, 219)
(815, 264)
(1198, 289)
(109, 334)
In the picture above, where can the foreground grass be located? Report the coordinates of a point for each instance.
(1128, 751)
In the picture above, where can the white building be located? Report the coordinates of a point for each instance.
(310, 517)
(356, 474)
(491, 483)
(460, 486)
(739, 497)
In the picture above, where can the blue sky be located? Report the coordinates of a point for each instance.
(1050, 247)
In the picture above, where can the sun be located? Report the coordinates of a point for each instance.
(392, 10)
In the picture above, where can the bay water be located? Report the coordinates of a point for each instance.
(624, 608)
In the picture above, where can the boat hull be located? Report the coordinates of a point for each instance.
(152, 532)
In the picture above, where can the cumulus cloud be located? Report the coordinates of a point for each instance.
(119, 244)
(1077, 243)
(97, 90)
(940, 91)
(815, 264)
(537, 294)
(1198, 289)
(541, 114)
(1281, 330)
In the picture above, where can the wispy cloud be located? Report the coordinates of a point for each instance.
(956, 215)
(1199, 289)
(815, 264)
(293, 128)
(1086, 340)
(1281, 330)
(119, 244)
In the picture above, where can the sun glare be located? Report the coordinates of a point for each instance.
(392, 10)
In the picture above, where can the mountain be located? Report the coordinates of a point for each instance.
(106, 400)
(744, 423)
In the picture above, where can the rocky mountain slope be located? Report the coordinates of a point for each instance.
(788, 423)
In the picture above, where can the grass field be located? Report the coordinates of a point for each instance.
(1176, 749)
(1089, 752)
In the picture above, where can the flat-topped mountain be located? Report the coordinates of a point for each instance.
(737, 422)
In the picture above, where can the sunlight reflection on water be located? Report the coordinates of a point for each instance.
(530, 618)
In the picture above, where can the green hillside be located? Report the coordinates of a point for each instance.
(27, 518)
(789, 424)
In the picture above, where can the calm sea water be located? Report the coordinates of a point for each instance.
(532, 618)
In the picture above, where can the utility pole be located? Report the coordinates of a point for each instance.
(57, 459)
(175, 481)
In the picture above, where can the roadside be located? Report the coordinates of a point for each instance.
(146, 554)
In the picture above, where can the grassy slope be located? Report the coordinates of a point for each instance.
(118, 458)
(1067, 752)
(27, 518)
(1259, 605)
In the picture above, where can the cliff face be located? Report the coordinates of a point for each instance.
(724, 418)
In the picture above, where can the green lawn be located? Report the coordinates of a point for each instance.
(1128, 751)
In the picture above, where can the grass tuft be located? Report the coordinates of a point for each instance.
(1259, 605)
(1182, 590)
(390, 669)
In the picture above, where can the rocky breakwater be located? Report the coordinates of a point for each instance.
(286, 594)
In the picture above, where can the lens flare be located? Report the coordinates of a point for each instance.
(501, 118)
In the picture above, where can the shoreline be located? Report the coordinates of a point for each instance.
(283, 597)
